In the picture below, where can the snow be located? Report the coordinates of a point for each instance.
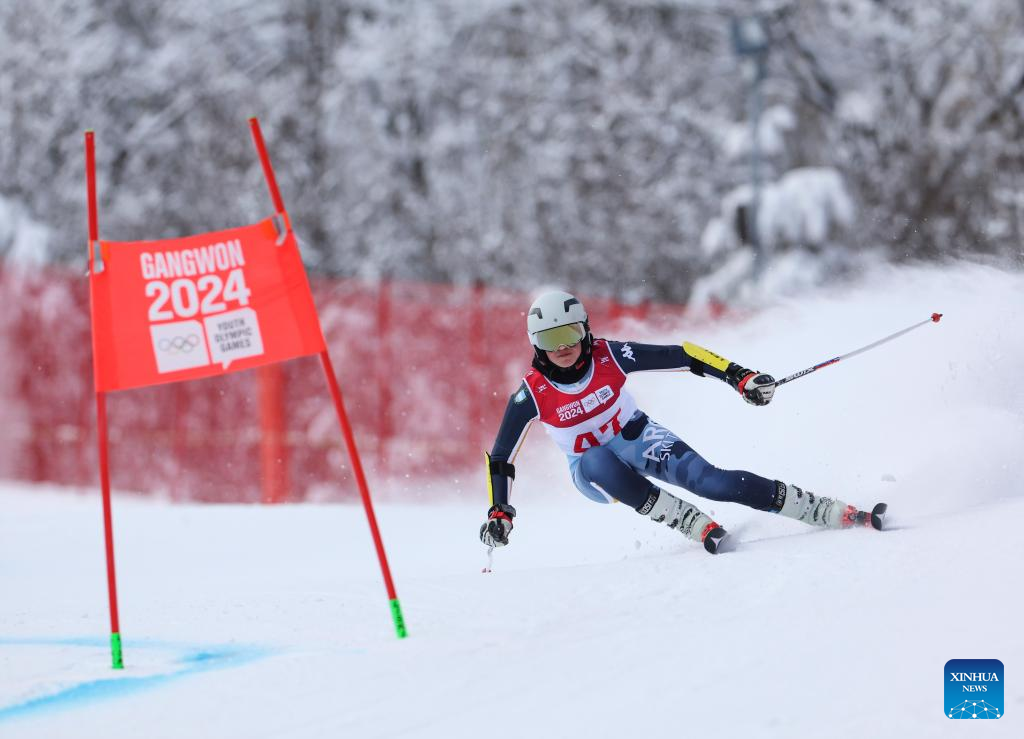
(799, 219)
(273, 622)
(802, 207)
(23, 240)
(775, 123)
(858, 107)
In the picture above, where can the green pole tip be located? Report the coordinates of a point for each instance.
(115, 651)
(396, 616)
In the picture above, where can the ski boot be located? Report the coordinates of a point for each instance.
(820, 510)
(685, 518)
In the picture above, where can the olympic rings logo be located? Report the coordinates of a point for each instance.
(179, 344)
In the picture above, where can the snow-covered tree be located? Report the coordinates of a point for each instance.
(511, 142)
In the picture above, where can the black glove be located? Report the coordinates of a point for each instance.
(495, 532)
(756, 388)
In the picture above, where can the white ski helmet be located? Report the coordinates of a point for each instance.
(556, 319)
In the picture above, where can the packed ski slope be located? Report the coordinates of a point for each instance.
(273, 622)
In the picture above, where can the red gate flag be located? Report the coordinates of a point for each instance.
(199, 306)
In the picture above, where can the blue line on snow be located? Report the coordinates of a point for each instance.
(193, 661)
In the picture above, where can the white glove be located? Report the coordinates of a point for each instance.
(495, 532)
(757, 388)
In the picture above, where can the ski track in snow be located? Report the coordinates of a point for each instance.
(273, 622)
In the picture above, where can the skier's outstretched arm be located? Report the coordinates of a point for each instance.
(520, 413)
(755, 387)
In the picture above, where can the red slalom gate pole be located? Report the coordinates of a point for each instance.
(339, 405)
(101, 420)
(268, 170)
(273, 442)
(364, 492)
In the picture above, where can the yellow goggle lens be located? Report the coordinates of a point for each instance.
(551, 338)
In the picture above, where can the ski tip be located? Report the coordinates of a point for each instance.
(936, 317)
(878, 516)
(716, 540)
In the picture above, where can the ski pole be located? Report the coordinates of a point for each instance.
(934, 319)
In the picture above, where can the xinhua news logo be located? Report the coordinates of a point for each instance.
(974, 689)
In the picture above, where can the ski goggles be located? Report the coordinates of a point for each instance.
(567, 336)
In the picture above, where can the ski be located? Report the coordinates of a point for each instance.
(713, 539)
(875, 519)
(878, 515)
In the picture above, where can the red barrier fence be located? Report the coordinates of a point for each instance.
(426, 370)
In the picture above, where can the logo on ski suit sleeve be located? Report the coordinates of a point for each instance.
(590, 417)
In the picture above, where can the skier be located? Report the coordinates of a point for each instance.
(575, 389)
